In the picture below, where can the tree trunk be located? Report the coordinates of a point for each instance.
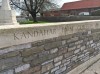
(34, 17)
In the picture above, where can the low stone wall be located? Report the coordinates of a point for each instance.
(54, 48)
(67, 18)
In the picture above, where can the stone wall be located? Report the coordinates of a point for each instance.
(67, 18)
(48, 49)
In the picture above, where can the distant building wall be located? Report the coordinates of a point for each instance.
(68, 12)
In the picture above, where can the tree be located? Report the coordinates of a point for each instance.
(33, 7)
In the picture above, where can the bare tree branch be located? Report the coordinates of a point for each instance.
(35, 6)
(18, 6)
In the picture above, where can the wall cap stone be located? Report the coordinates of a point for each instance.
(21, 34)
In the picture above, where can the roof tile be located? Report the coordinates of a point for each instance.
(81, 4)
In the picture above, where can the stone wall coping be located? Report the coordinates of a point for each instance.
(45, 24)
(20, 34)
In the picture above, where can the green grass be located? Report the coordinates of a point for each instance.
(31, 22)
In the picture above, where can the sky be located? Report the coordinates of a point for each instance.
(61, 2)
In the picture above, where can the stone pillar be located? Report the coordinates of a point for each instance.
(5, 5)
(7, 16)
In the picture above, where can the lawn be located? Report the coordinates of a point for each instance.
(31, 22)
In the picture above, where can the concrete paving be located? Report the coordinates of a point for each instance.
(94, 69)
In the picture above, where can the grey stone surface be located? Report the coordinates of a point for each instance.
(32, 51)
(52, 51)
(47, 67)
(10, 62)
(58, 59)
(93, 69)
(52, 45)
(8, 72)
(54, 69)
(58, 63)
(21, 68)
(60, 70)
(61, 48)
(15, 48)
(47, 62)
(6, 19)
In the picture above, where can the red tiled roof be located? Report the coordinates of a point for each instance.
(81, 4)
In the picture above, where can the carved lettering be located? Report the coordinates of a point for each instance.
(15, 37)
(23, 35)
(36, 33)
(54, 31)
(41, 32)
(30, 34)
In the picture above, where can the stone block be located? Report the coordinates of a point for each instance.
(15, 48)
(91, 41)
(78, 42)
(72, 48)
(37, 72)
(86, 58)
(68, 54)
(66, 37)
(71, 44)
(30, 58)
(32, 51)
(36, 68)
(90, 37)
(52, 45)
(85, 39)
(60, 70)
(65, 60)
(57, 59)
(10, 62)
(46, 73)
(88, 43)
(83, 48)
(73, 39)
(47, 67)
(62, 50)
(8, 72)
(78, 46)
(32, 70)
(43, 54)
(54, 69)
(10, 54)
(89, 32)
(74, 58)
(76, 51)
(51, 40)
(98, 44)
(40, 60)
(81, 56)
(57, 63)
(66, 63)
(90, 50)
(93, 45)
(52, 51)
(47, 62)
(63, 42)
(52, 56)
(22, 68)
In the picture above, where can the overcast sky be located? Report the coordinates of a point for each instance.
(61, 2)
